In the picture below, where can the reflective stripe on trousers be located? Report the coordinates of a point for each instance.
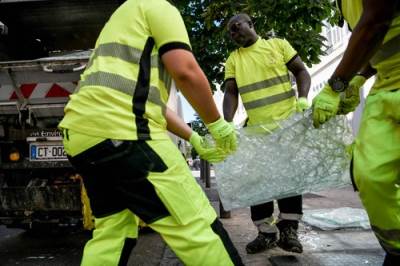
(387, 236)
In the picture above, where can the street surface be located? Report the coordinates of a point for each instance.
(348, 247)
(18, 247)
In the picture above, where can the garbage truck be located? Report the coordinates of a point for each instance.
(44, 48)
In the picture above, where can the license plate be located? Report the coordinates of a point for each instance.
(47, 152)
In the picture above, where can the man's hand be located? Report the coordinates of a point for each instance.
(302, 104)
(325, 105)
(224, 135)
(206, 152)
(352, 95)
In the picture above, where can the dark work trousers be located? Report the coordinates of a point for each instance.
(291, 205)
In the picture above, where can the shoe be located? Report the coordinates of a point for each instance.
(262, 242)
(288, 238)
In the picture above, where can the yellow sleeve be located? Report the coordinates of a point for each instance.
(167, 27)
(230, 68)
(287, 50)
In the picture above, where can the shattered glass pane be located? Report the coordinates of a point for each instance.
(292, 159)
(332, 219)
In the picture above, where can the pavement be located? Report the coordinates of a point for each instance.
(347, 247)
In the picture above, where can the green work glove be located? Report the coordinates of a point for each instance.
(351, 98)
(325, 105)
(206, 152)
(302, 104)
(224, 135)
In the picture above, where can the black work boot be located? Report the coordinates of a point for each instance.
(262, 242)
(288, 238)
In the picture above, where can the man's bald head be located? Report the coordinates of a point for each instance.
(239, 18)
(241, 30)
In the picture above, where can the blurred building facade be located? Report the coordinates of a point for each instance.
(240, 115)
(175, 104)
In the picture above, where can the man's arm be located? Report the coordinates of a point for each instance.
(303, 79)
(171, 38)
(367, 71)
(192, 82)
(178, 59)
(367, 37)
(194, 85)
(231, 99)
(176, 125)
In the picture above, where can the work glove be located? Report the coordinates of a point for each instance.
(325, 105)
(206, 151)
(302, 104)
(351, 98)
(224, 135)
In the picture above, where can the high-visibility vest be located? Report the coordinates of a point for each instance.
(124, 90)
(263, 79)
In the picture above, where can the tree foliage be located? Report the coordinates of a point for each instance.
(199, 126)
(298, 21)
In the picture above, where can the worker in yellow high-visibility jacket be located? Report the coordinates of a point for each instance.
(258, 71)
(374, 47)
(115, 135)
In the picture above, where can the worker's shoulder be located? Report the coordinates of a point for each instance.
(277, 44)
(275, 41)
(233, 54)
(153, 4)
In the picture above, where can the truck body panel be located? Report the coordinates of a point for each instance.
(37, 28)
(45, 46)
(39, 186)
